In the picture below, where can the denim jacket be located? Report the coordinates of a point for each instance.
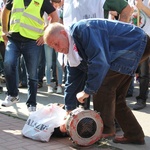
(103, 45)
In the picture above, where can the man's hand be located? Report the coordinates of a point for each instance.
(4, 35)
(40, 41)
(81, 96)
(139, 4)
(63, 126)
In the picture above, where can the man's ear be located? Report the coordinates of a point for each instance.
(63, 32)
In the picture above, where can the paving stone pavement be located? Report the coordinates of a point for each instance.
(13, 118)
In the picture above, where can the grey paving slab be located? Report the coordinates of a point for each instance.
(12, 120)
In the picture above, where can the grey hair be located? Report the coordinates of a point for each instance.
(52, 29)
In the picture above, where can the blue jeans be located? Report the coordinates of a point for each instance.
(30, 52)
(41, 65)
(59, 71)
(48, 56)
(22, 71)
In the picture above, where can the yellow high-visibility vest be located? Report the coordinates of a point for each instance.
(28, 22)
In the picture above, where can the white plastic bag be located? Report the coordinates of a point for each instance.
(41, 123)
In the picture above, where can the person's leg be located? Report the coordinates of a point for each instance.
(71, 101)
(54, 76)
(17, 72)
(147, 51)
(59, 75)
(65, 75)
(110, 102)
(48, 58)
(2, 52)
(1, 64)
(126, 119)
(143, 85)
(10, 69)
(144, 79)
(24, 74)
(31, 56)
(41, 66)
(1, 70)
(104, 101)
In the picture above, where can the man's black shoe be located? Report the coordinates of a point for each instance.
(140, 104)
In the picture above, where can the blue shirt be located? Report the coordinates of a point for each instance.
(103, 45)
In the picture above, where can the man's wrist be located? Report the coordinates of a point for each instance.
(5, 33)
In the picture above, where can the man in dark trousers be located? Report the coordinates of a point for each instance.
(102, 55)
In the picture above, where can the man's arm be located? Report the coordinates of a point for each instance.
(120, 6)
(5, 21)
(126, 14)
(139, 4)
(54, 17)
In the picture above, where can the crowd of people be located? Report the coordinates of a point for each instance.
(98, 56)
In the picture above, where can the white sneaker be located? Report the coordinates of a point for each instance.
(50, 89)
(59, 90)
(9, 100)
(31, 108)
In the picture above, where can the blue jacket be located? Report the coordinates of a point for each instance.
(103, 45)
